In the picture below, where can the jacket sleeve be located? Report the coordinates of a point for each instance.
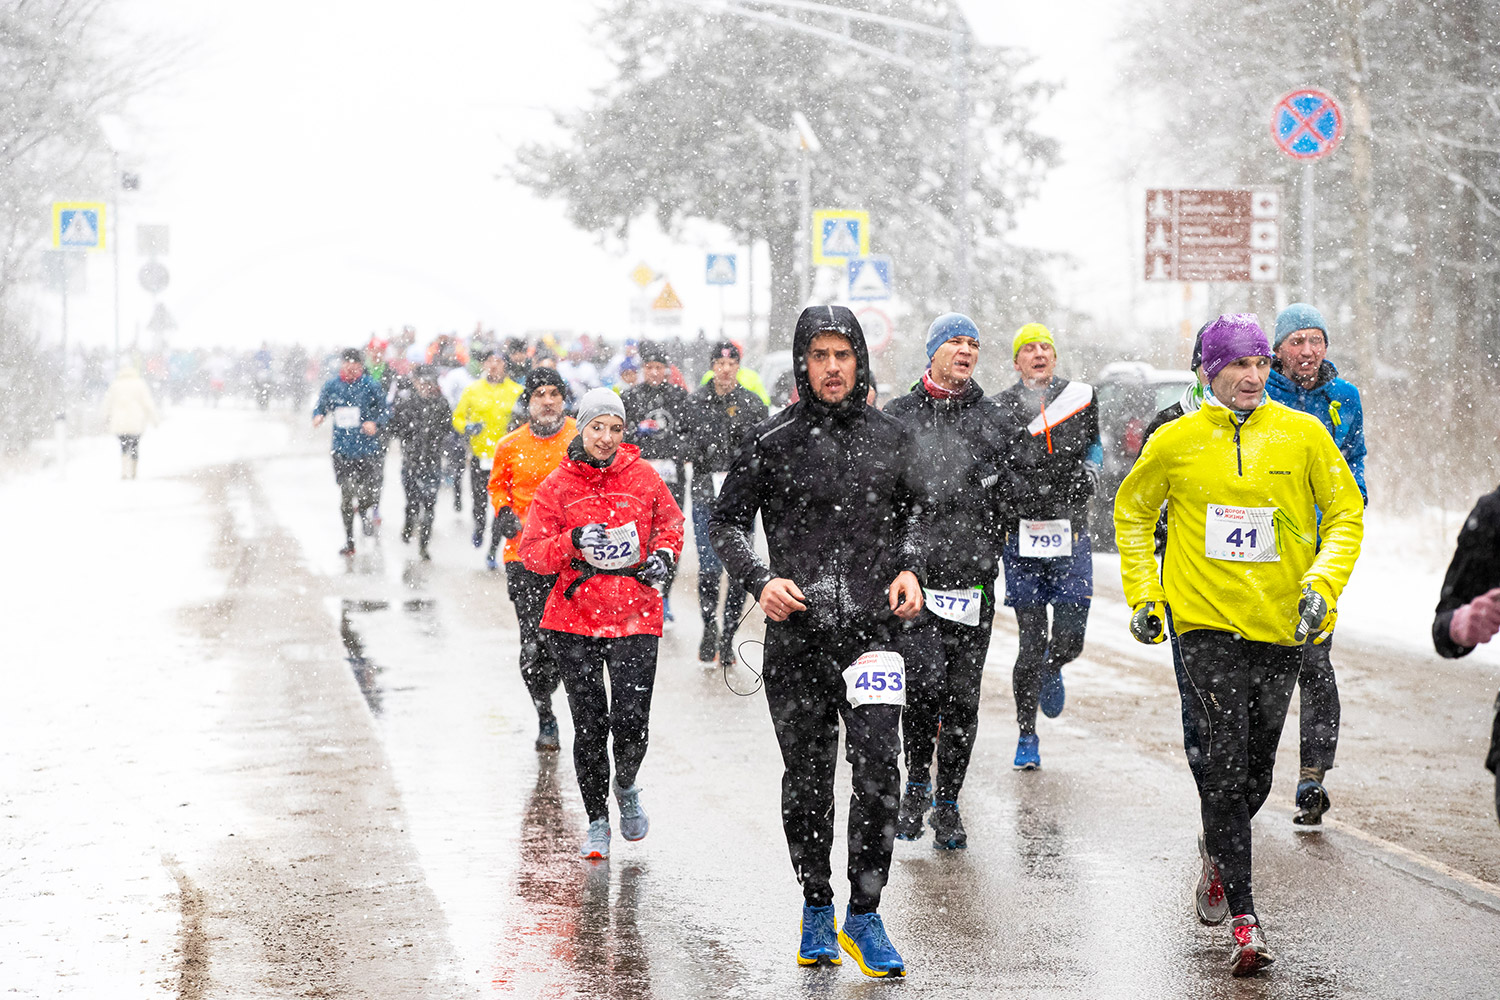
(666, 521)
(733, 518)
(500, 479)
(1354, 444)
(380, 409)
(461, 412)
(1342, 529)
(321, 407)
(1137, 505)
(1474, 570)
(913, 511)
(546, 543)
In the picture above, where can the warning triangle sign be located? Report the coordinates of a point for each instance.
(667, 299)
(80, 231)
(842, 240)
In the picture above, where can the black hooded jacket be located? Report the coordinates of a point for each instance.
(423, 424)
(1051, 461)
(962, 455)
(838, 490)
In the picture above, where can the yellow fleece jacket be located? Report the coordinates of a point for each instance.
(488, 403)
(1277, 458)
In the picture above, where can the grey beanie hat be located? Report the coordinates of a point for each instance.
(598, 403)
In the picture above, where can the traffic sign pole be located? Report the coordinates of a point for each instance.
(1307, 125)
(1307, 231)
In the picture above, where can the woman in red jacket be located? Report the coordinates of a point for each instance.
(607, 525)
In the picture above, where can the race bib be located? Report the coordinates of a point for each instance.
(665, 467)
(621, 548)
(1046, 539)
(718, 478)
(346, 418)
(486, 462)
(877, 678)
(1241, 534)
(960, 606)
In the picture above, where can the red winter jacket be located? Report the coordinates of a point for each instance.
(577, 493)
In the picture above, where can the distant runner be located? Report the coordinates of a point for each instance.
(1303, 379)
(959, 437)
(1246, 583)
(655, 413)
(483, 417)
(357, 405)
(420, 418)
(834, 481)
(1048, 560)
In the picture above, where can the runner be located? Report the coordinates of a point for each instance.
(357, 406)
(959, 439)
(421, 420)
(655, 412)
(524, 458)
(605, 523)
(1247, 584)
(1047, 559)
(1468, 611)
(1303, 379)
(834, 482)
(717, 415)
(129, 410)
(483, 417)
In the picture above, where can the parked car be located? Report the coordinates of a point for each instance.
(1130, 393)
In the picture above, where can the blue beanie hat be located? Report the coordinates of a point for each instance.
(1298, 316)
(946, 327)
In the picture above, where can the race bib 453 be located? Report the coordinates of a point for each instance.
(877, 678)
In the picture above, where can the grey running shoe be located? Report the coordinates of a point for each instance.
(595, 844)
(1208, 897)
(634, 823)
(1251, 950)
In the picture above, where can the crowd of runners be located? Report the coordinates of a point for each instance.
(886, 534)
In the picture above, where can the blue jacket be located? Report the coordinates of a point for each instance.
(1336, 403)
(365, 394)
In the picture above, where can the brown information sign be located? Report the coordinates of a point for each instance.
(1213, 234)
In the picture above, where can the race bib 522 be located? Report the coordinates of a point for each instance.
(877, 678)
(621, 548)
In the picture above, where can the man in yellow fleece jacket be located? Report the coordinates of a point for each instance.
(482, 416)
(1247, 583)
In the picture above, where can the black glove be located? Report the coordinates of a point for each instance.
(1314, 617)
(1149, 623)
(590, 536)
(472, 428)
(507, 522)
(655, 569)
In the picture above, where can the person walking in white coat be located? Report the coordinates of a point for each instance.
(130, 410)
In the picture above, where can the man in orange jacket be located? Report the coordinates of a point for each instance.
(523, 459)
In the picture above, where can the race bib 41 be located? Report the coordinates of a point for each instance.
(877, 678)
(621, 548)
(1240, 534)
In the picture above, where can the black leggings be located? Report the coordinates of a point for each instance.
(1240, 691)
(359, 482)
(539, 669)
(1038, 656)
(130, 445)
(1319, 712)
(419, 481)
(806, 694)
(479, 497)
(944, 667)
(625, 712)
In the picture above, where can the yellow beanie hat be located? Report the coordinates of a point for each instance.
(1031, 333)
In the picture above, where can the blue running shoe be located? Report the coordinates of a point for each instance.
(863, 937)
(1028, 756)
(820, 940)
(1050, 698)
(948, 828)
(491, 563)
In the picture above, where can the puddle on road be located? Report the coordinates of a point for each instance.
(366, 671)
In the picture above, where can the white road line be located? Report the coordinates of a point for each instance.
(1489, 891)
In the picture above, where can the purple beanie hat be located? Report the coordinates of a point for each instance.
(1230, 338)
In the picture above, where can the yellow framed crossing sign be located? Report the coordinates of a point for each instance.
(78, 225)
(838, 234)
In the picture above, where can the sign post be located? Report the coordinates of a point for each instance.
(1307, 125)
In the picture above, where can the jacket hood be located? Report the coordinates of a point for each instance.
(1192, 397)
(1326, 374)
(837, 319)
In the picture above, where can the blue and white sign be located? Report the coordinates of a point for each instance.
(869, 278)
(1307, 124)
(720, 269)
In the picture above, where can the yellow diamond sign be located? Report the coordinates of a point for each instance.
(642, 275)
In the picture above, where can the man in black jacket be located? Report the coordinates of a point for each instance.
(1468, 611)
(961, 448)
(1047, 556)
(421, 419)
(835, 483)
(655, 418)
(718, 415)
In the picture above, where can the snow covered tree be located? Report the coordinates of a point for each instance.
(697, 119)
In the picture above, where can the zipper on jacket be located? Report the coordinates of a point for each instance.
(1238, 461)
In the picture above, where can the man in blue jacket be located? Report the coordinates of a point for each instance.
(1303, 379)
(357, 407)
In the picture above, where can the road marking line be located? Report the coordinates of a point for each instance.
(1417, 858)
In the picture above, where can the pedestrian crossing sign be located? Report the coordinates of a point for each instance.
(839, 234)
(78, 225)
(667, 299)
(869, 278)
(720, 269)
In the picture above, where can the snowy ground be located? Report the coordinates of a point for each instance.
(201, 798)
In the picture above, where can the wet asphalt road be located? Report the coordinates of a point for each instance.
(342, 800)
